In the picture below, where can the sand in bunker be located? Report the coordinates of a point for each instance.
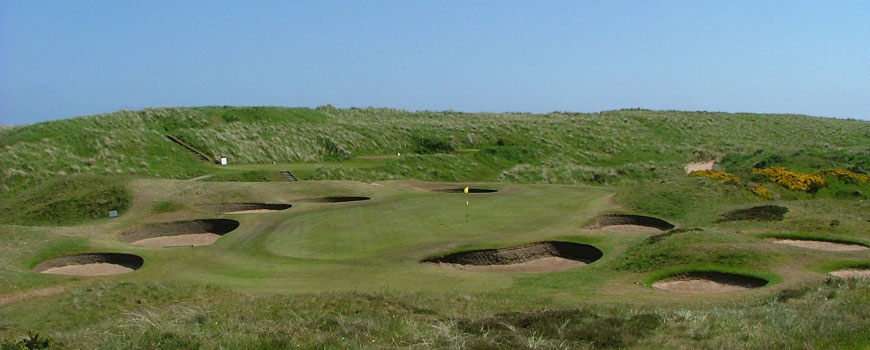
(545, 264)
(95, 269)
(631, 228)
(253, 211)
(697, 286)
(699, 166)
(708, 282)
(185, 240)
(822, 245)
(852, 273)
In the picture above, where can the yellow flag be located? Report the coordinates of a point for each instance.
(466, 190)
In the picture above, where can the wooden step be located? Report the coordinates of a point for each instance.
(288, 176)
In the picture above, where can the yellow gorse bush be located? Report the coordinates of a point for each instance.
(717, 175)
(845, 175)
(792, 180)
(762, 192)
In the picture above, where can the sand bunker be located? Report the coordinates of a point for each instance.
(822, 245)
(852, 273)
(690, 167)
(759, 213)
(462, 190)
(90, 264)
(630, 223)
(534, 257)
(244, 208)
(181, 234)
(708, 282)
(335, 199)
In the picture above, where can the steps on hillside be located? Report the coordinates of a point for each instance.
(288, 175)
(196, 153)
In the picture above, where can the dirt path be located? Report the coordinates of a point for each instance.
(29, 294)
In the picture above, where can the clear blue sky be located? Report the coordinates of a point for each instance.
(60, 59)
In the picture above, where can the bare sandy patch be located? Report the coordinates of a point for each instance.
(852, 273)
(822, 245)
(185, 240)
(690, 167)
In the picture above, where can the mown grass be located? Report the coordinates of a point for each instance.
(166, 207)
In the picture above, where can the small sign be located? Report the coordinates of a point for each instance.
(113, 214)
(223, 161)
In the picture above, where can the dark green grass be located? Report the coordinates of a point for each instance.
(67, 200)
(246, 176)
(166, 207)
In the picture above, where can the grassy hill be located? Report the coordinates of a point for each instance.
(324, 275)
(564, 148)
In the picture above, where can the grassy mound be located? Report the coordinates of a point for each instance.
(65, 201)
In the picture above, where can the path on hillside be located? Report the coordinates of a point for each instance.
(196, 153)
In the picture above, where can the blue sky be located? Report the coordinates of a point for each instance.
(60, 59)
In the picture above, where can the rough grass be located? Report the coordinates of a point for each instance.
(565, 148)
(164, 316)
(66, 200)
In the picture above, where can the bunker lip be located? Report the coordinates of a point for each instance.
(181, 233)
(336, 199)
(244, 208)
(852, 272)
(708, 282)
(820, 244)
(90, 264)
(630, 223)
(533, 257)
(462, 190)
